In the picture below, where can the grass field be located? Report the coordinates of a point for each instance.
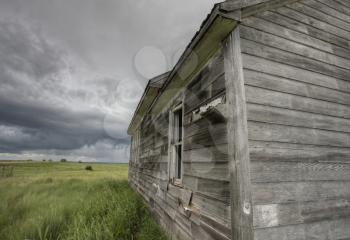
(51, 201)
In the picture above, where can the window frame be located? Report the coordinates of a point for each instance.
(176, 142)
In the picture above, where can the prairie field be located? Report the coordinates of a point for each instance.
(58, 201)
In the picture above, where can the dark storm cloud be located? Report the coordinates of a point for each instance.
(30, 81)
(68, 85)
(50, 127)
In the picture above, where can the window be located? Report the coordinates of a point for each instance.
(177, 132)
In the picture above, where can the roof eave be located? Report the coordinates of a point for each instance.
(232, 13)
(150, 93)
(206, 25)
(249, 8)
(205, 33)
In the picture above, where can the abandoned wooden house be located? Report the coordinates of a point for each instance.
(248, 137)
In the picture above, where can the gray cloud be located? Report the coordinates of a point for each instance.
(34, 98)
(68, 85)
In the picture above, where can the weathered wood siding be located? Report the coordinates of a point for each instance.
(296, 62)
(201, 208)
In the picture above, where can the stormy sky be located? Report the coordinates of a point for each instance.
(72, 72)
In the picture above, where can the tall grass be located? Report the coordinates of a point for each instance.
(6, 171)
(66, 202)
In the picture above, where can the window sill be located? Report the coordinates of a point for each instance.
(178, 183)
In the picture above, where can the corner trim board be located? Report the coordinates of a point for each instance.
(237, 132)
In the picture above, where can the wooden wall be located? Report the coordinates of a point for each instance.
(296, 63)
(200, 209)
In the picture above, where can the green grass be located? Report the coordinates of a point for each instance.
(57, 201)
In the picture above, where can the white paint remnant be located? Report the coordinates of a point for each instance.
(266, 215)
(187, 209)
(212, 104)
(197, 114)
(246, 208)
(157, 189)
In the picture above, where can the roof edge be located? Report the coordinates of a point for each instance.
(233, 10)
(255, 6)
(152, 83)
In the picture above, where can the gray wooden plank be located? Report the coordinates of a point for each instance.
(345, 3)
(241, 206)
(206, 137)
(288, 134)
(274, 215)
(287, 192)
(298, 16)
(277, 171)
(213, 171)
(218, 210)
(267, 114)
(233, 5)
(218, 189)
(268, 5)
(329, 10)
(217, 153)
(316, 14)
(293, 47)
(284, 152)
(303, 27)
(299, 88)
(278, 69)
(195, 97)
(331, 229)
(217, 230)
(209, 82)
(289, 101)
(336, 5)
(213, 233)
(202, 125)
(271, 53)
(288, 32)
